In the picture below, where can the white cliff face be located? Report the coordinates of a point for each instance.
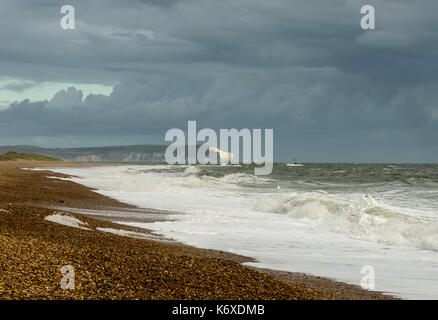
(131, 154)
(122, 157)
(223, 156)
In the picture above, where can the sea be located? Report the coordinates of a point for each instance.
(332, 220)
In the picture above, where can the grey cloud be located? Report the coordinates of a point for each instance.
(160, 3)
(305, 69)
(247, 100)
(19, 86)
(65, 99)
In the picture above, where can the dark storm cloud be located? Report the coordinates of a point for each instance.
(303, 68)
(161, 3)
(18, 86)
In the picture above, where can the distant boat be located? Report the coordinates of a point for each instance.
(294, 164)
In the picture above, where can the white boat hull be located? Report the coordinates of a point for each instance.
(294, 164)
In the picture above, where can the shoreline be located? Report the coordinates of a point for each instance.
(112, 266)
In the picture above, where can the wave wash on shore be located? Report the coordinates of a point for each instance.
(328, 220)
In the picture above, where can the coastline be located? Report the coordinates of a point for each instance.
(111, 266)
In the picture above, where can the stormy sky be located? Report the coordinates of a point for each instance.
(131, 70)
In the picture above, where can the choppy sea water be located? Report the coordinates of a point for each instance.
(322, 219)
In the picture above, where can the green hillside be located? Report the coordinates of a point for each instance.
(13, 156)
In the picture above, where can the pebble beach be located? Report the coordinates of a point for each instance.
(129, 265)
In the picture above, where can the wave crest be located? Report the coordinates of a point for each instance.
(367, 219)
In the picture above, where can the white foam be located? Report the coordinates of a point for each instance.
(367, 219)
(125, 233)
(313, 232)
(66, 221)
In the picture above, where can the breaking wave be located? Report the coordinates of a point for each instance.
(367, 219)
